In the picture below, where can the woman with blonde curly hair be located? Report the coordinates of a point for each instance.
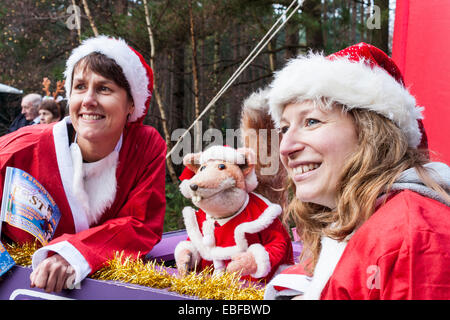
(371, 209)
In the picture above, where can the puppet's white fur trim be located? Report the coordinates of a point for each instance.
(208, 233)
(353, 84)
(189, 246)
(251, 181)
(124, 56)
(262, 260)
(225, 253)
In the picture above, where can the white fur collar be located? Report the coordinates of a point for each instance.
(205, 243)
(94, 183)
(330, 254)
(86, 205)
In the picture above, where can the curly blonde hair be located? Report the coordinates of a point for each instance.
(382, 155)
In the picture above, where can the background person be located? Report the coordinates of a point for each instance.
(30, 105)
(370, 208)
(29, 114)
(49, 111)
(111, 183)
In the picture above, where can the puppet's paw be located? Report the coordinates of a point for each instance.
(244, 263)
(183, 261)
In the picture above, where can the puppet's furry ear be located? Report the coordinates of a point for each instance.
(251, 181)
(192, 161)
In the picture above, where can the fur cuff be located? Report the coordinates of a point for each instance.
(189, 246)
(262, 260)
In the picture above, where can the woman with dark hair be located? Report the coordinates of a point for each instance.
(109, 183)
(49, 111)
(371, 209)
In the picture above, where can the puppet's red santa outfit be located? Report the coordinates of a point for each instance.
(254, 228)
(402, 250)
(114, 204)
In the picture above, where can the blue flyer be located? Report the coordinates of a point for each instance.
(6, 262)
(28, 206)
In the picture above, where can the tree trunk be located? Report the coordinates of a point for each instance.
(312, 13)
(380, 37)
(212, 112)
(197, 127)
(292, 39)
(157, 96)
(91, 19)
(78, 24)
(325, 26)
(354, 21)
(272, 57)
(121, 7)
(362, 21)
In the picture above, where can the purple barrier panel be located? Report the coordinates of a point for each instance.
(297, 248)
(15, 285)
(165, 249)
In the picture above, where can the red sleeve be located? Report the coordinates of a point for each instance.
(401, 252)
(277, 243)
(138, 224)
(419, 268)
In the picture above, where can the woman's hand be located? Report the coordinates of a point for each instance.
(52, 274)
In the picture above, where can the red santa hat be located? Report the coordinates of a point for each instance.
(137, 72)
(360, 76)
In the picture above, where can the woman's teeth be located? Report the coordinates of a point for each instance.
(305, 168)
(196, 198)
(91, 116)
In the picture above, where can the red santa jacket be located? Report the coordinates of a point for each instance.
(134, 221)
(401, 252)
(256, 228)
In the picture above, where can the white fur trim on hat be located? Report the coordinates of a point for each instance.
(125, 57)
(222, 153)
(353, 84)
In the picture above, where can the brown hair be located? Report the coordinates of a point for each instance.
(382, 155)
(106, 67)
(52, 106)
(254, 117)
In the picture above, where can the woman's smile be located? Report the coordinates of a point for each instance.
(90, 117)
(303, 171)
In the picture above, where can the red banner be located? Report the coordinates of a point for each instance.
(421, 49)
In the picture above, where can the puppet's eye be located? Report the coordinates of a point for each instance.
(221, 166)
(203, 167)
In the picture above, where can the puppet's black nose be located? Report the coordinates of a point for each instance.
(194, 187)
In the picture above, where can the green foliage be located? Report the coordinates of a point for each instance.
(175, 203)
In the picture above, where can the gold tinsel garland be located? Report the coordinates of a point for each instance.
(22, 253)
(203, 285)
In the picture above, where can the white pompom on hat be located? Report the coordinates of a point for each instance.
(360, 76)
(137, 72)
